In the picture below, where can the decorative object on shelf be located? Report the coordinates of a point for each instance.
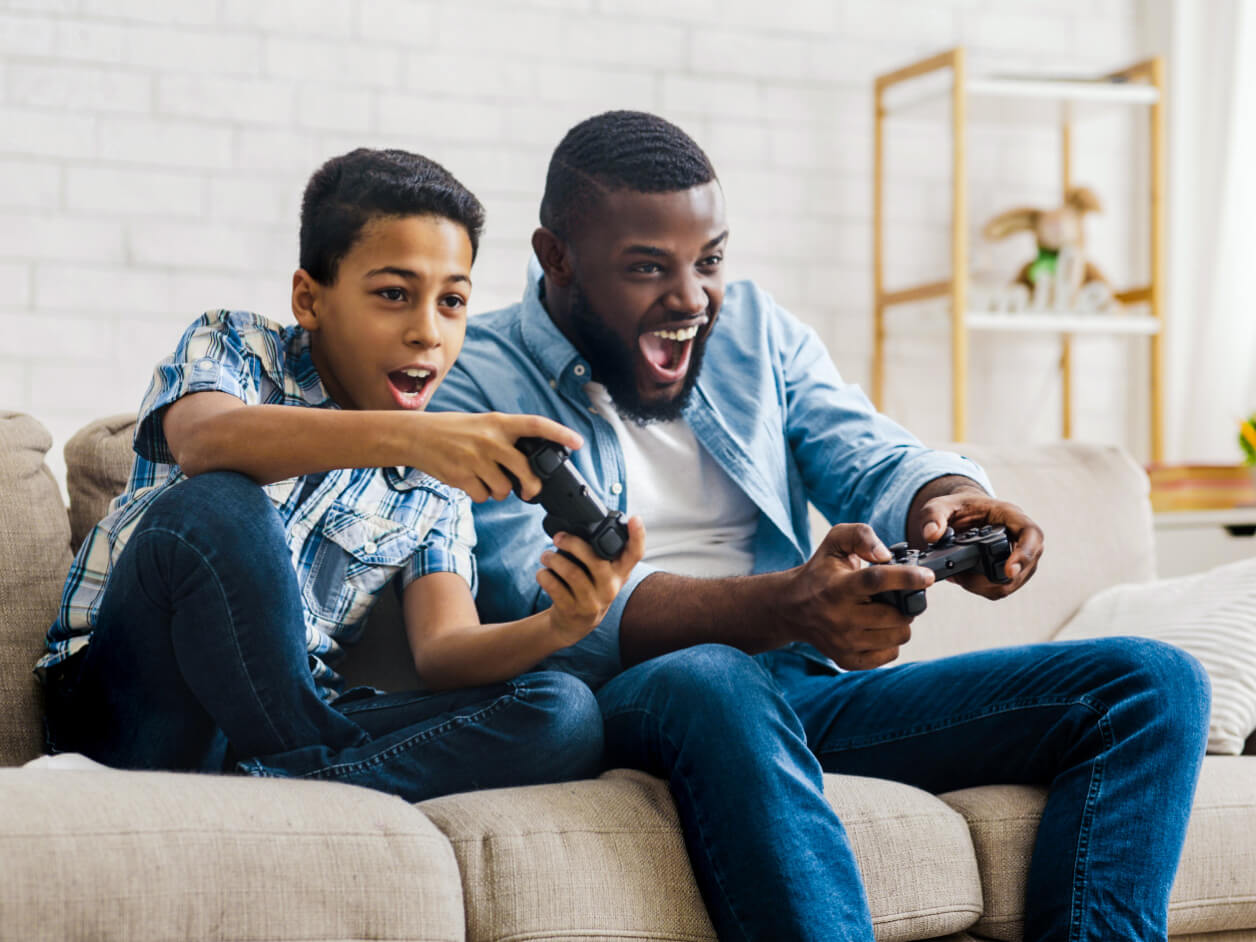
(1247, 440)
(1060, 278)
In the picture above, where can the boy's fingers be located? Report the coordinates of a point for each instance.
(516, 462)
(537, 426)
(554, 587)
(636, 543)
(568, 568)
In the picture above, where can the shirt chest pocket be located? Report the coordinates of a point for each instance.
(357, 554)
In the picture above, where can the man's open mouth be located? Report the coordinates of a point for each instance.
(411, 386)
(667, 352)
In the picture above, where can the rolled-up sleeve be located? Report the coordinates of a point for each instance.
(214, 355)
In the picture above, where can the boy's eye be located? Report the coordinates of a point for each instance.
(392, 294)
(453, 300)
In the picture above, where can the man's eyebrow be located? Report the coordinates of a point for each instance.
(408, 273)
(655, 252)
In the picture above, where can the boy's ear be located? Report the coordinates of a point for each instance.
(554, 256)
(305, 291)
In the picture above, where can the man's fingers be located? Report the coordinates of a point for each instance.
(874, 579)
(854, 539)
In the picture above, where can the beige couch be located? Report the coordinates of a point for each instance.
(138, 856)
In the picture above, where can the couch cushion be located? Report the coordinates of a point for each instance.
(1091, 502)
(135, 856)
(34, 560)
(1216, 881)
(605, 858)
(98, 459)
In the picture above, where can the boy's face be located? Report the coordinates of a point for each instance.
(386, 332)
(647, 284)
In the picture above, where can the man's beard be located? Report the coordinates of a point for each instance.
(614, 365)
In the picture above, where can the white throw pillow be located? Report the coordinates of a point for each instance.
(1211, 615)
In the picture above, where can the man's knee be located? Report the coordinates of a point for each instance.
(1167, 678)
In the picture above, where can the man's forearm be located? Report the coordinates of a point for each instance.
(668, 612)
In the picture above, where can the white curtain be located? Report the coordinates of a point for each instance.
(1211, 351)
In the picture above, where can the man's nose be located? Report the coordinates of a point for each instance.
(688, 297)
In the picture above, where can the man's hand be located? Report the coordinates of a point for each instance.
(829, 601)
(473, 451)
(582, 585)
(967, 505)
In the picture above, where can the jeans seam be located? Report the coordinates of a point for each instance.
(702, 829)
(920, 729)
(1081, 866)
(235, 641)
(519, 691)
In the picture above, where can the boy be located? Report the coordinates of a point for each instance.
(284, 477)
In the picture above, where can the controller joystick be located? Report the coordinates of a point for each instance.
(983, 549)
(570, 506)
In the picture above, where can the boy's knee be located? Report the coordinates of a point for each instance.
(566, 723)
(223, 507)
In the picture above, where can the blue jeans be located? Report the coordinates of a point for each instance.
(1116, 728)
(198, 662)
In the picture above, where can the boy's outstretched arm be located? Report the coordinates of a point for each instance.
(215, 431)
(452, 649)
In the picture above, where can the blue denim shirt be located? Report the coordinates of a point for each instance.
(769, 406)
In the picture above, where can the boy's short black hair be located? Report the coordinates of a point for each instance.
(618, 150)
(349, 191)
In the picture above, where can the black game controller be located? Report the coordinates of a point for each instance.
(984, 549)
(570, 506)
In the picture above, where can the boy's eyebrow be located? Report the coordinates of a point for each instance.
(655, 252)
(407, 273)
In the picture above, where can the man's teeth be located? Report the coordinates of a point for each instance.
(678, 335)
(418, 374)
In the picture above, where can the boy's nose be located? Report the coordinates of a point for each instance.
(423, 328)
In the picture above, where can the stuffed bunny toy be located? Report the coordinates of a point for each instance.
(1057, 230)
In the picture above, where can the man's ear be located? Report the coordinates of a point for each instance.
(554, 256)
(305, 293)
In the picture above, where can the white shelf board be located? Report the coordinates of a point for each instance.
(1062, 322)
(1017, 100)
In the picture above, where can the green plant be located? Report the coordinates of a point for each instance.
(1247, 439)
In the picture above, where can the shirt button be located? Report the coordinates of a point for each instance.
(617, 488)
(553, 384)
(579, 370)
(205, 363)
(369, 546)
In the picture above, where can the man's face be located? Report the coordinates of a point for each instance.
(647, 285)
(386, 332)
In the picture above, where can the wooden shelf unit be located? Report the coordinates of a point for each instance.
(916, 90)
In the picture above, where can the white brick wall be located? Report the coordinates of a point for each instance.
(153, 154)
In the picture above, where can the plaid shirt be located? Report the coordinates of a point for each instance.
(356, 530)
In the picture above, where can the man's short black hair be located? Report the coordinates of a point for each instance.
(349, 191)
(618, 150)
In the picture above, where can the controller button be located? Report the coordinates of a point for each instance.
(898, 549)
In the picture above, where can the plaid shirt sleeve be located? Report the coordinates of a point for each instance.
(223, 351)
(449, 545)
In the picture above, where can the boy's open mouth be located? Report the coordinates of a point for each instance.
(411, 386)
(667, 352)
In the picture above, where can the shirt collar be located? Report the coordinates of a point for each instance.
(545, 343)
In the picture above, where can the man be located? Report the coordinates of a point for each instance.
(734, 665)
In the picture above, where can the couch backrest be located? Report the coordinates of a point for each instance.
(34, 560)
(1092, 502)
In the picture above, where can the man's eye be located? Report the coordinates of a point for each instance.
(392, 294)
(647, 268)
(711, 261)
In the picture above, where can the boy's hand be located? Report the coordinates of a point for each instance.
(583, 585)
(472, 451)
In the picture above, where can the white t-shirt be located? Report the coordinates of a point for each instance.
(697, 521)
